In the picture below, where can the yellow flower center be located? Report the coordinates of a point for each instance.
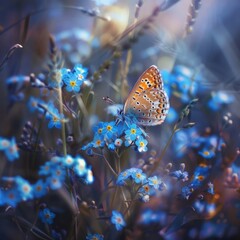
(98, 142)
(133, 131)
(55, 119)
(206, 153)
(80, 76)
(73, 83)
(138, 175)
(200, 177)
(142, 144)
(146, 188)
(109, 128)
(100, 130)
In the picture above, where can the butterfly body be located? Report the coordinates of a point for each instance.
(148, 101)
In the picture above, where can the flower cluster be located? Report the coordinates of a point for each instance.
(10, 149)
(113, 135)
(55, 170)
(200, 174)
(180, 174)
(190, 138)
(51, 112)
(147, 185)
(53, 175)
(73, 79)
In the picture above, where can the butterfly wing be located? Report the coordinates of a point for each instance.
(148, 101)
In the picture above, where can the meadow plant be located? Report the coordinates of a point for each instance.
(82, 157)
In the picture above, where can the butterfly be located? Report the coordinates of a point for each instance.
(148, 101)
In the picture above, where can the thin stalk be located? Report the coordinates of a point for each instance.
(157, 162)
(129, 52)
(70, 187)
(63, 123)
(108, 164)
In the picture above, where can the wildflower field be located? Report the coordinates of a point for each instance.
(119, 119)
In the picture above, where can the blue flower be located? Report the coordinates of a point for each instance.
(118, 142)
(55, 118)
(133, 132)
(123, 176)
(142, 144)
(11, 197)
(46, 169)
(98, 129)
(24, 188)
(74, 79)
(219, 99)
(138, 176)
(80, 166)
(4, 143)
(54, 182)
(210, 188)
(89, 176)
(98, 142)
(200, 174)
(72, 83)
(111, 146)
(46, 216)
(39, 188)
(180, 175)
(206, 153)
(34, 103)
(59, 172)
(80, 72)
(9, 147)
(154, 181)
(95, 236)
(68, 161)
(109, 129)
(187, 191)
(148, 216)
(146, 190)
(117, 220)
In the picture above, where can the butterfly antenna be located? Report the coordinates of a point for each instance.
(108, 100)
